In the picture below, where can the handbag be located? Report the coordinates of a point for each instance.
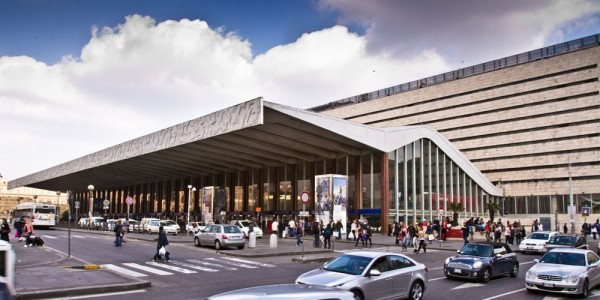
(162, 251)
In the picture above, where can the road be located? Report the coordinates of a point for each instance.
(196, 273)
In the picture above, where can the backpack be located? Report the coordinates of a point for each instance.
(327, 232)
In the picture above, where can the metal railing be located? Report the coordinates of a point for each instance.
(549, 51)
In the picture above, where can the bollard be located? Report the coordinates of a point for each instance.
(273, 241)
(252, 240)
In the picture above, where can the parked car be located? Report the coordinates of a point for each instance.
(134, 225)
(145, 222)
(482, 261)
(288, 291)
(220, 236)
(566, 271)
(169, 227)
(372, 275)
(566, 241)
(245, 226)
(96, 222)
(536, 241)
(194, 227)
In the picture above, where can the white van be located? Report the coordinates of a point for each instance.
(145, 222)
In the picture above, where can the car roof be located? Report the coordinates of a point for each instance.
(488, 243)
(571, 250)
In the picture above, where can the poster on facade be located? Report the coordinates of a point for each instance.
(220, 206)
(340, 198)
(207, 203)
(323, 201)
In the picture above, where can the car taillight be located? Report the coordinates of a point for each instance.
(224, 237)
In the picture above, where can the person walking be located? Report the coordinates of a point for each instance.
(565, 228)
(348, 227)
(118, 233)
(353, 228)
(421, 238)
(162, 242)
(300, 233)
(465, 231)
(360, 236)
(317, 234)
(368, 234)
(275, 226)
(327, 233)
(125, 230)
(4, 230)
(404, 235)
(292, 227)
(28, 232)
(19, 225)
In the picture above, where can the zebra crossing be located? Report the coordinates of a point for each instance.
(187, 266)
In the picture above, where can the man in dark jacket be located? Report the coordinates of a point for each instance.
(162, 242)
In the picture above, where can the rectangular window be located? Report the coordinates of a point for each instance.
(544, 204)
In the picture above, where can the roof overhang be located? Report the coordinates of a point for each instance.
(253, 134)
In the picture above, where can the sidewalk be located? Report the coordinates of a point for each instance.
(40, 273)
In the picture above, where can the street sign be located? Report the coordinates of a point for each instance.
(441, 211)
(129, 200)
(304, 197)
(77, 204)
(303, 213)
(585, 211)
(106, 203)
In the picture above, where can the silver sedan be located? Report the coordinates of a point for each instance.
(567, 271)
(372, 275)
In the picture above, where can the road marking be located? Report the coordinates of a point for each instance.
(435, 268)
(194, 267)
(77, 236)
(468, 285)
(526, 263)
(249, 262)
(122, 270)
(197, 261)
(232, 263)
(100, 295)
(49, 237)
(172, 268)
(148, 269)
(502, 295)
(434, 279)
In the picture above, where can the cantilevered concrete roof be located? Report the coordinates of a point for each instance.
(253, 134)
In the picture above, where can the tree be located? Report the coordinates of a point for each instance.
(492, 207)
(455, 207)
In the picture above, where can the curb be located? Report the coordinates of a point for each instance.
(58, 293)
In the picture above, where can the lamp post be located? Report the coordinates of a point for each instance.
(190, 189)
(91, 207)
(57, 200)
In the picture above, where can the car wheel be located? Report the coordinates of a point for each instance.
(197, 242)
(485, 275)
(218, 245)
(585, 292)
(416, 291)
(515, 270)
(358, 295)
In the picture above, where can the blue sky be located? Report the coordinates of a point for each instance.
(80, 76)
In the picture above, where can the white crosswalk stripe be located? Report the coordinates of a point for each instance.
(182, 264)
(233, 263)
(123, 271)
(249, 262)
(148, 269)
(172, 268)
(211, 264)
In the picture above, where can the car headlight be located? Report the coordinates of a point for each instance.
(530, 275)
(571, 279)
(477, 264)
(447, 260)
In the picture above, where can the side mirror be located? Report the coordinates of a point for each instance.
(458, 251)
(537, 260)
(374, 272)
(498, 255)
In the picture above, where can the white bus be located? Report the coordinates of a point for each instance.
(42, 215)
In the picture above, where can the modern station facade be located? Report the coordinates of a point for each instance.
(521, 131)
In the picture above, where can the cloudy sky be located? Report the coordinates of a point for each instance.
(79, 76)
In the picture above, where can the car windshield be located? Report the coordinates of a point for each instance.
(231, 229)
(562, 240)
(477, 250)
(349, 264)
(564, 258)
(538, 236)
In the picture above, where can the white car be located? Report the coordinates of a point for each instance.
(169, 227)
(194, 227)
(536, 241)
(96, 221)
(245, 226)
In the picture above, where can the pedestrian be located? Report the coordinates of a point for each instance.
(465, 231)
(300, 233)
(28, 232)
(360, 236)
(404, 234)
(507, 234)
(162, 242)
(274, 226)
(353, 228)
(292, 227)
(396, 233)
(19, 225)
(348, 227)
(594, 230)
(487, 229)
(4, 230)
(327, 233)
(125, 229)
(411, 234)
(518, 234)
(565, 228)
(368, 235)
(118, 233)
(421, 238)
(317, 234)
(338, 228)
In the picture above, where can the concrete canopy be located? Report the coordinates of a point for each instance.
(253, 134)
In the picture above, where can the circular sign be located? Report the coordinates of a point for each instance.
(77, 204)
(106, 202)
(129, 200)
(441, 211)
(304, 197)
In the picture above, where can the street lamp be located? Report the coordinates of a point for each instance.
(91, 208)
(57, 197)
(190, 189)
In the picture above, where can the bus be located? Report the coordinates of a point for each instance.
(42, 215)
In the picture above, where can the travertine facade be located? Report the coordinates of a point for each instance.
(520, 125)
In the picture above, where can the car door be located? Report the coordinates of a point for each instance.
(382, 286)
(593, 265)
(402, 271)
(501, 261)
(204, 234)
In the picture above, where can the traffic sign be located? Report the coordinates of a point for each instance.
(77, 204)
(304, 197)
(303, 213)
(441, 211)
(129, 200)
(106, 203)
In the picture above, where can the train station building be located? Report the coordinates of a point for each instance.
(521, 131)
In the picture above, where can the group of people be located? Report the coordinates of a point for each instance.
(512, 232)
(415, 235)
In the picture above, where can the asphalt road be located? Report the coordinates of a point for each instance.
(206, 273)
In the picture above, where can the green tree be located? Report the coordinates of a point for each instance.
(455, 207)
(492, 208)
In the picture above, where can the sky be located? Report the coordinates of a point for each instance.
(79, 76)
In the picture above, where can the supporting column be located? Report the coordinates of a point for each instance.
(385, 194)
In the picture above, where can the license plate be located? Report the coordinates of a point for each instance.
(457, 271)
(529, 248)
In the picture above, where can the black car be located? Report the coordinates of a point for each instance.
(576, 241)
(482, 261)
